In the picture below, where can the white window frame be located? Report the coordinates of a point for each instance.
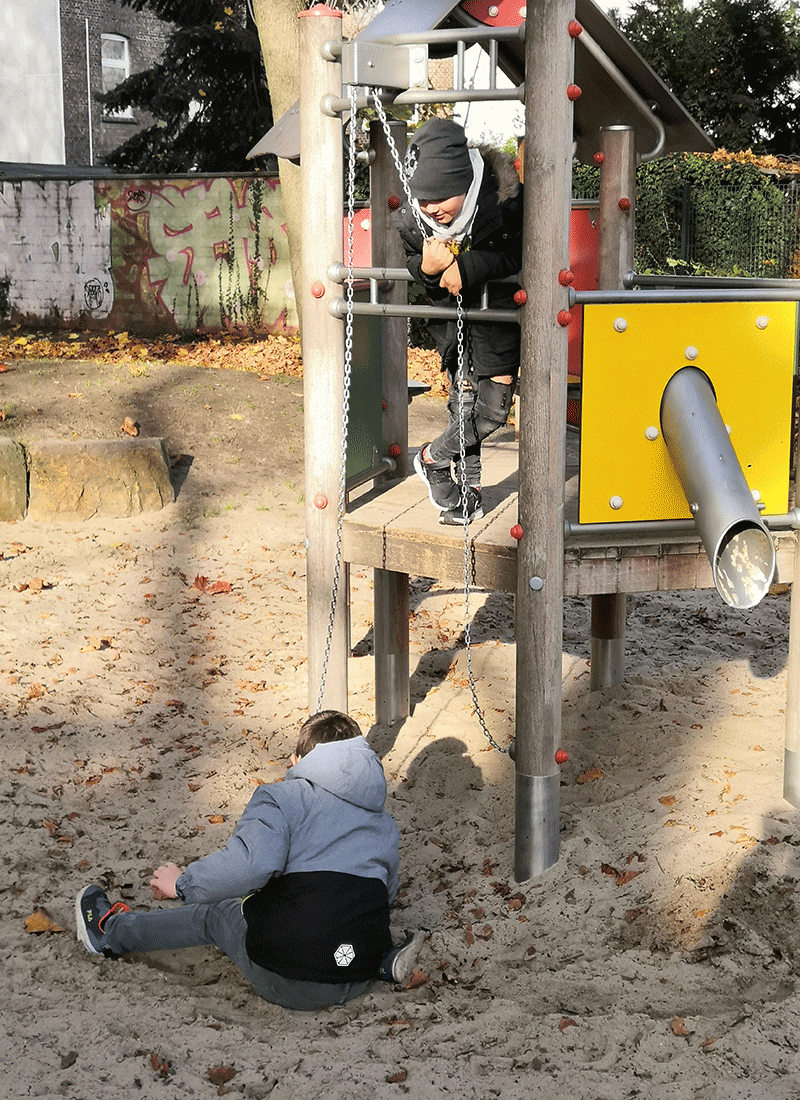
(123, 64)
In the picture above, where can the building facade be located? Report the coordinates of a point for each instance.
(58, 57)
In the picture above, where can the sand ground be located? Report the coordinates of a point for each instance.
(659, 957)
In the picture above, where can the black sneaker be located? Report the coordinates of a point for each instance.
(398, 962)
(455, 517)
(92, 910)
(442, 490)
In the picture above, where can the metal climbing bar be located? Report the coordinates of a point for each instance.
(338, 308)
(786, 292)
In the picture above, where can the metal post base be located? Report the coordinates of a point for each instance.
(791, 777)
(536, 826)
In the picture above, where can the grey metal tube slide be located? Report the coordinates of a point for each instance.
(738, 544)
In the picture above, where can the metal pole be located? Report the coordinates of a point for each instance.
(543, 396)
(323, 355)
(392, 682)
(616, 233)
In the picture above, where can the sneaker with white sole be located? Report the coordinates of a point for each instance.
(442, 490)
(92, 910)
(455, 517)
(398, 962)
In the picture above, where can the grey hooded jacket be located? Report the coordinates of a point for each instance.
(319, 856)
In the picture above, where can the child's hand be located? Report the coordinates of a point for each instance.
(163, 881)
(451, 279)
(436, 256)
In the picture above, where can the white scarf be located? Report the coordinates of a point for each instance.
(457, 229)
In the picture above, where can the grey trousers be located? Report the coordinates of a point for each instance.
(221, 924)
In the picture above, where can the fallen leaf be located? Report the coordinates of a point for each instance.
(678, 1026)
(626, 877)
(216, 819)
(565, 1023)
(129, 426)
(468, 935)
(668, 800)
(397, 1078)
(39, 922)
(589, 775)
(160, 1065)
(418, 977)
(220, 1075)
(202, 585)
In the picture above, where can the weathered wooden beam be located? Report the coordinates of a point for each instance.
(323, 360)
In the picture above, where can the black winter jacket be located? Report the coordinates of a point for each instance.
(495, 252)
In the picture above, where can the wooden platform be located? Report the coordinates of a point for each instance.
(396, 528)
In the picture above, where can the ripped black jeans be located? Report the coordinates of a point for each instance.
(485, 406)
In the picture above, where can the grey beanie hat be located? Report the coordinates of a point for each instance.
(437, 163)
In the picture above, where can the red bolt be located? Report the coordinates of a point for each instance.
(566, 278)
(574, 28)
(395, 450)
(393, 202)
(573, 92)
(320, 501)
(517, 164)
(317, 290)
(521, 297)
(564, 317)
(516, 532)
(624, 204)
(562, 756)
(384, 406)
(599, 158)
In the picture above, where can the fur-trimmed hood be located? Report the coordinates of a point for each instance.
(501, 165)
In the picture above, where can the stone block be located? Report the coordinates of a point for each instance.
(13, 481)
(78, 479)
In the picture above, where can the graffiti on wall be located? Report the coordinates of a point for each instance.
(55, 253)
(200, 255)
(148, 256)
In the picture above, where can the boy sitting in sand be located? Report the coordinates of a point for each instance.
(315, 859)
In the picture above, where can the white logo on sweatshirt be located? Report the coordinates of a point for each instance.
(344, 954)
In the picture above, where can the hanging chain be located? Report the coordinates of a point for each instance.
(348, 368)
(348, 374)
(464, 488)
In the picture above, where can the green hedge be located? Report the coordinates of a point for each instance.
(695, 214)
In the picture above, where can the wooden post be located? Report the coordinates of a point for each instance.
(791, 756)
(392, 689)
(616, 233)
(323, 357)
(543, 399)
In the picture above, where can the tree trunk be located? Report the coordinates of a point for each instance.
(279, 33)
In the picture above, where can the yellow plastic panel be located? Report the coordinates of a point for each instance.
(630, 352)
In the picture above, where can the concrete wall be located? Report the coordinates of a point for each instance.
(147, 256)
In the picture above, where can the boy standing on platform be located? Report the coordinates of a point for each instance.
(465, 230)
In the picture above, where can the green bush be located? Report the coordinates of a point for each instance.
(698, 215)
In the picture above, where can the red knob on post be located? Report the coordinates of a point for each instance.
(624, 204)
(564, 317)
(395, 450)
(566, 278)
(521, 297)
(393, 202)
(573, 92)
(320, 501)
(562, 756)
(516, 532)
(598, 158)
(574, 28)
(317, 290)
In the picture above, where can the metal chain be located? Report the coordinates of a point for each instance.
(348, 365)
(462, 447)
(348, 374)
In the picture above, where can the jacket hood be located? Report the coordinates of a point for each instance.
(503, 170)
(348, 769)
